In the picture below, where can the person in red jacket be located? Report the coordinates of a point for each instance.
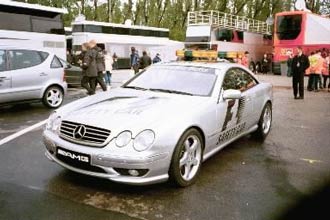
(245, 59)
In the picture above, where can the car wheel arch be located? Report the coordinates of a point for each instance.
(50, 85)
(193, 127)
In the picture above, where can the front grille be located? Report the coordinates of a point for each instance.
(87, 135)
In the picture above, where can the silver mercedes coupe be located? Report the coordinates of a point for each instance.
(161, 124)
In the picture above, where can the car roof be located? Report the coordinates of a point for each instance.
(11, 47)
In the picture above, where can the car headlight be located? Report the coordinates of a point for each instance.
(54, 122)
(144, 140)
(123, 138)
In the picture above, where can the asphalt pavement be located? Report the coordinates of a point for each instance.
(281, 178)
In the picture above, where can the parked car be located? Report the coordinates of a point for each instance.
(30, 75)
(73, 74)
(161, 124)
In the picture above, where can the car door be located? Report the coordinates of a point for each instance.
(233, 115)
(28, 72)
(5, 78)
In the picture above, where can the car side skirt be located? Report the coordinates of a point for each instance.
(218, 148)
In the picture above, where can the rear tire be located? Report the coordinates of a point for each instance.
(265, 123)
(187, 159)
(53, 97)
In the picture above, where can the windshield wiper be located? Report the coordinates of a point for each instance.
(135, 87)
(171, 91)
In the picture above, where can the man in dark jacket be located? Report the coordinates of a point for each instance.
(100, 64)
(134, 60)
(145, 60)
(85, 80)
(299, 64)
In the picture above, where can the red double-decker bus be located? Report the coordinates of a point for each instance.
(299, 28)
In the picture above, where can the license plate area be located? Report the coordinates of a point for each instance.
(72, 157)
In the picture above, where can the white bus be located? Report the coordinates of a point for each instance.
(119, 38)
(32, 26)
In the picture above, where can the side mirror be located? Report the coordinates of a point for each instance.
(68, 66)
(232, 94)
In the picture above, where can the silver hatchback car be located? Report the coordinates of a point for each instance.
(31, 75)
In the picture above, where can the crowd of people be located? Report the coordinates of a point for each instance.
(97, 65)
(138, 62)
(317, 64)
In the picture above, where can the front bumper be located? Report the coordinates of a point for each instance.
(109, 164)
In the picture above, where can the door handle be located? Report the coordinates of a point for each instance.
(43, 74)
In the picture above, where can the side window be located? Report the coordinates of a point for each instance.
(248, 80)
(232, 79)
(56, 63)
(19, 59)
(2, 60)
(238, 79)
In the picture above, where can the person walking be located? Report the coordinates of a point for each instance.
(326, 71)
(316, 65)
(156, 59)
(265, 64)
(289, 64)
(115, 61)
(108, 69)
(85, 80)
(134, 60)
(89, 63)
(145, 60)
(100, 64)
(300, 63)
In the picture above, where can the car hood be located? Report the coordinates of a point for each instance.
(127, 109)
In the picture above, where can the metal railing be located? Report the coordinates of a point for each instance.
(229, 21)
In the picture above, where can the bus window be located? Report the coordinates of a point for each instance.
(240, 35)
(93, 28)
(46, 25)
(288, 27)
(225, 35)
(15, 22)
(78, 28)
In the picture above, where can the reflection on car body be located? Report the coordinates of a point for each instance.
(161, 124)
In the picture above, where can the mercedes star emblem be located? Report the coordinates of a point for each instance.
(79, 132)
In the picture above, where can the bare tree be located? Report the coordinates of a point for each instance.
(95, 10)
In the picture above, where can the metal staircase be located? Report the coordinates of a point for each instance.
(229, 21)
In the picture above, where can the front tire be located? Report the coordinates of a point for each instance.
(265, 123)
(187, 158)
(53, 97)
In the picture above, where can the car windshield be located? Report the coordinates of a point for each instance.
(185, 80)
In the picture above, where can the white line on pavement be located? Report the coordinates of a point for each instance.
(24, 131)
